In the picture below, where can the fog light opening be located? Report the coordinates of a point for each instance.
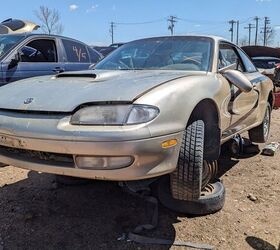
(169, 143)
(103, 162)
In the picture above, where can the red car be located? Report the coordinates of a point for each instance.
(277, 86)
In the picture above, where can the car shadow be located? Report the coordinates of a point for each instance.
(227, 161)
(36, 214)
(259, 244)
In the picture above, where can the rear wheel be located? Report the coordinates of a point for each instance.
(260, 133)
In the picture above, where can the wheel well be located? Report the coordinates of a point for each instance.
(207, 111)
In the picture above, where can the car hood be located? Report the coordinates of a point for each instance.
(261, 51)
(65, 92)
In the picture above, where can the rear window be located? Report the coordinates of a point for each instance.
(94, 56)
(75, 51)
(3, 29)
(14, 24)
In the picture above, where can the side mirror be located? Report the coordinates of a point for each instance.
(92, 66)
(238, 79)
(14, 62)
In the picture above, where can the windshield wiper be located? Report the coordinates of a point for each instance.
(132, 69)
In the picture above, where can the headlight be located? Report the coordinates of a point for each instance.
(114, 115)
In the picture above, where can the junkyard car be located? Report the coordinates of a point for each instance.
(27, 55)
(106, 50)
(154, 107)
(13, 26)
(267, 60)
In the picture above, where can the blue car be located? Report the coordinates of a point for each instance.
(28, 55)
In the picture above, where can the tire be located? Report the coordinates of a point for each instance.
(212, 199)
(186, 180)
(260, 133)
(70, 181)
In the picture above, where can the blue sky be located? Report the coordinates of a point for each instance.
(89, 21)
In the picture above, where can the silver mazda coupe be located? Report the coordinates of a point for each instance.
(155, 107)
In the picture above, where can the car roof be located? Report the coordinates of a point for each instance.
(51, 36)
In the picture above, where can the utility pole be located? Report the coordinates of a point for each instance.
(237, 32)
(111, 30)
(231, 22)
(172, 20)
(266, 30)
(266, 20)
(250, 27)
(257, 29)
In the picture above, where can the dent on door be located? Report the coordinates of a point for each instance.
(243, 103)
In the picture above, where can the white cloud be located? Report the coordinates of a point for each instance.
(92, 8)
(73, 7)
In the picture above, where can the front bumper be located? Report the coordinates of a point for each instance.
(54, 156)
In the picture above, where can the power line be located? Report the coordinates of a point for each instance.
(141, 23)
(172, 21)
(210, 22)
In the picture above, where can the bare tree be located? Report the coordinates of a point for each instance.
(50, 20)
(244, 41)
(270, 37)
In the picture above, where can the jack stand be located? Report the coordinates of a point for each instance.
(142, 190)
(237, 145)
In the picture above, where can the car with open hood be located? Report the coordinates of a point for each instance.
(155, 107)
(267, 60)
(14, 26)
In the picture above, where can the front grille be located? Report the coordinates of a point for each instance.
(38, 156)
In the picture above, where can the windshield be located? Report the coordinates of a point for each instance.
(7, 42)
(165, 53)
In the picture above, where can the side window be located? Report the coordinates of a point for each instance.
(94, 57)
(249, 66)
(40, 50)
(75, 52)
(228, 57)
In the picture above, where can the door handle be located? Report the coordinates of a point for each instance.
(255, 85)
(58, 70)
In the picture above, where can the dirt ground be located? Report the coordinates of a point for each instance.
(36, 214)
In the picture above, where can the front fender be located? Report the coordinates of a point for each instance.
(177, 99)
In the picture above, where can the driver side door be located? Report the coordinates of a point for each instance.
(242, 106)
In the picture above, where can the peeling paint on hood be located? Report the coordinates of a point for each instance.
(69, 90)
